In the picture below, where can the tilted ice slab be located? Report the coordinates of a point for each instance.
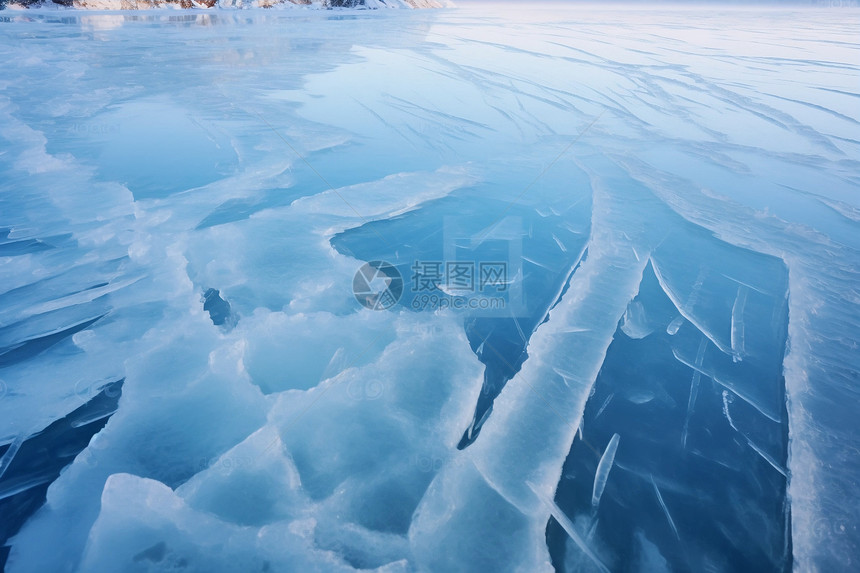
(704, 430)
(820, 365)
(515, 465)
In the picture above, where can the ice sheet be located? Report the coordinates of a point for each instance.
(186, 198)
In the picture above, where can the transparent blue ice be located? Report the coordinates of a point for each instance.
(674, 197)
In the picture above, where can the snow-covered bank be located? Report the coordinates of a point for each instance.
(235, 4)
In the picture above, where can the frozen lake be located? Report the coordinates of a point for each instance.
(493, 288)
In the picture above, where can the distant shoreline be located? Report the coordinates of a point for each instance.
(129, 5)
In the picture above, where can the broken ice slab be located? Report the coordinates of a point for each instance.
(665, 509)
(27, 345)
(30, 463)
(738, 331)
(703, 278)
(604, 466)
(742, 378)
(694, 388)
(734, 452)
(570, 529)
(675, 325)
(10, 453)
(540, 264)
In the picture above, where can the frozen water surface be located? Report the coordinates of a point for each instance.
(653, 368)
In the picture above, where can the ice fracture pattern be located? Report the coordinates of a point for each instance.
(626, 245)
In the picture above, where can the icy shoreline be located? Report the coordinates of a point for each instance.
(125, 5)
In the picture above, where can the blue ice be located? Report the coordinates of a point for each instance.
(598, 222)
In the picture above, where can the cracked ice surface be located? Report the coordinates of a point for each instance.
(672, 385)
